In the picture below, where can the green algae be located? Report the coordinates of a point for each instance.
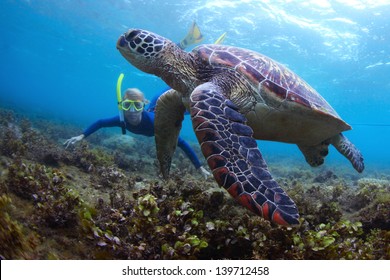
(14, 244)
(128, 213)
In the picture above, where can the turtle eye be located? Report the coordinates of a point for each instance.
(132, 35)
(135, 39)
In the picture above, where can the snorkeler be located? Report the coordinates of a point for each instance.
(133, 116)
(137, 121)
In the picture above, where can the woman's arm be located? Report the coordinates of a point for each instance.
(109, 122)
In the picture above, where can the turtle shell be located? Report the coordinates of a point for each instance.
(281, 92)
(260, 69)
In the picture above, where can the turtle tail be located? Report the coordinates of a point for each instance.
(234, 158)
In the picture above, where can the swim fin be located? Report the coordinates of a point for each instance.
(194, 36)
(220, 39)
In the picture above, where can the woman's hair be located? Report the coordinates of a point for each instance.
(135, 94)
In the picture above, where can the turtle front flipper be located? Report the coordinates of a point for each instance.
(232, 154)
(347, 149)
(167, 124)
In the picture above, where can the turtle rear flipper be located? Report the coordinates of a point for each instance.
(169, 116)
(232, 155)
(315, 155)
(347, 149)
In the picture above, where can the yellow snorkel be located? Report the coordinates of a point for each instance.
(119, 98)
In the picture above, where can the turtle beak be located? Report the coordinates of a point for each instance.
(121, 42)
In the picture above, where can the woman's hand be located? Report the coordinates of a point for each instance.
(204, 172)
(73, 140)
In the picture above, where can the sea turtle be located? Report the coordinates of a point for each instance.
(235, 96)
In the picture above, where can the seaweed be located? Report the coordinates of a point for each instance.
(106, 200)
(56, 203)
(14, 244)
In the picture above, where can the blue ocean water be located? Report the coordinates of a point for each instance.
(58, 58)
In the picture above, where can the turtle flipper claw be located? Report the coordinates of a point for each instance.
(233, 156)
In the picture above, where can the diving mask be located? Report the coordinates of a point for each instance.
(127, 104)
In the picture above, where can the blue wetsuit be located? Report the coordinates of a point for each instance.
(146, 128)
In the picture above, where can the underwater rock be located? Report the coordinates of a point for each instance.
(373, 202)
(51, 159)
(325, 176)
(118, 142)
(376, 216)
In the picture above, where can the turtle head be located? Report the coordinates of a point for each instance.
(143, 49)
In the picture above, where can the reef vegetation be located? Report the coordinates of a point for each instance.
(99, 200)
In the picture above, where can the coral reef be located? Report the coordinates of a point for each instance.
(56, 204)
(104, 200)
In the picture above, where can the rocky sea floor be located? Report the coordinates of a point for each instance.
(103, 199)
